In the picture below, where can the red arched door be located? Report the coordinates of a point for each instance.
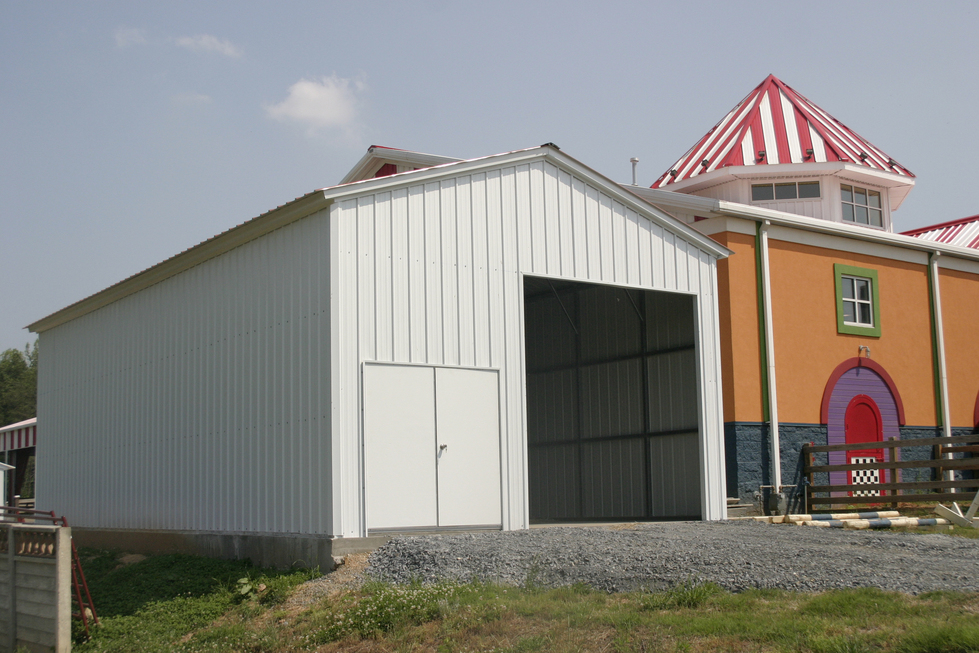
(864, 424)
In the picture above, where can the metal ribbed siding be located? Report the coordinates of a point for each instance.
(435, 269)
(200, 403)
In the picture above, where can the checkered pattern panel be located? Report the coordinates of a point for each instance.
(865, 477)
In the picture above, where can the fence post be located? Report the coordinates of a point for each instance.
(810, 461)
(939, 471)
(895, 456)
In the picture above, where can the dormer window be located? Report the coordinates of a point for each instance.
(802, 190)
(861, 206)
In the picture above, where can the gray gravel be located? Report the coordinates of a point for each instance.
(736, 555)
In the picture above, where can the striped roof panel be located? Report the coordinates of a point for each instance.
(963, 232)
(775, 124)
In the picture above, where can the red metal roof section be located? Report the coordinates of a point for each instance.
(963, 232)
(775, 124)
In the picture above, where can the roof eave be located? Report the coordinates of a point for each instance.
(857, 232)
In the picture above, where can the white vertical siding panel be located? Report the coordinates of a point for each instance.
(713, 482)
(511, 353)
(400, 276)
(646, 261)
(693, 269)
(383, 310)
(366, 335)
(631, 247)
(481, 272)
(658, 262)
(682, 264)
(593, 233)
(579, 222)
(347, 381)
(620, 251)
(433, 273)
(449, 273)
(466, 279)
(669, 260)
(524, 218)
(605, 239)
(566, 250)
(552, 220)
(496, 196)
(538, 218)
(417, 274)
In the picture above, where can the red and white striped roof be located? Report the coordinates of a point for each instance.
(774, 125)
(963, 232)
(19, 435)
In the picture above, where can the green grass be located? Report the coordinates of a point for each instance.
(150, 605)
(183, 603)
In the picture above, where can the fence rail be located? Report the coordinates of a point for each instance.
(895, 491)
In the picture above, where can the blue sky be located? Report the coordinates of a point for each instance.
(132, 131)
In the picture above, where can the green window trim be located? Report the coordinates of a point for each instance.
(840, 270)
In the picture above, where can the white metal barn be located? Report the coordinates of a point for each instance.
(474, 344)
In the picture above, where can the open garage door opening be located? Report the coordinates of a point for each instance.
(612, 405)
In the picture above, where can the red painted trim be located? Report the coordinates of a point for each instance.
(941, 225)
(848, 365)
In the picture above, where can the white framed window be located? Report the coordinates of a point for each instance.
(858, 305)
(802, 190)
(861, 205)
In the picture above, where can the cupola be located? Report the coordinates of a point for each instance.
(778, 150)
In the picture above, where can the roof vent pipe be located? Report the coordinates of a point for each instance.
(635, 162)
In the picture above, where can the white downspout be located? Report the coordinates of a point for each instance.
(942, 371)
(766, 284)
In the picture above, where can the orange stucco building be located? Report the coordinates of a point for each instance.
(831, 323)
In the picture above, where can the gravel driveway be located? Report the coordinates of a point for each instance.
(736, 555)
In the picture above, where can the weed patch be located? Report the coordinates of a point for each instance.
(690, 593)
(383, 607)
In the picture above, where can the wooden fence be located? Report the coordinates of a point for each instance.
(895, 491)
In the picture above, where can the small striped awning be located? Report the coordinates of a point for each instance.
(19, 435)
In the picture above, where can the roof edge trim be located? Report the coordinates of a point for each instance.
(736, 210)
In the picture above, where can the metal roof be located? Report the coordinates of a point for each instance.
(775, 124)
(322, 198)
(963, 232)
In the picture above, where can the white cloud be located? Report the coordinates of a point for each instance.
(208, 43)
(126, 36)
(325, 103)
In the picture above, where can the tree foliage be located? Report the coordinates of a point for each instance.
(18, 385)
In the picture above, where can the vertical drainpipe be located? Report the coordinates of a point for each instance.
(936, 309)
(766, 287)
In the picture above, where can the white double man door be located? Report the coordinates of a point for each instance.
(432, 447)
